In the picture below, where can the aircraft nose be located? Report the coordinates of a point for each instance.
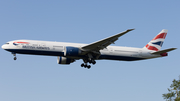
(3, 46)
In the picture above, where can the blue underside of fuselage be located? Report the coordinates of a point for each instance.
(36, 52)
(53, 53)
(122, 58)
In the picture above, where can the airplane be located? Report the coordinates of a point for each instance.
(70, 52)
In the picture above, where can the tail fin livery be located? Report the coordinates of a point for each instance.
(156, 43)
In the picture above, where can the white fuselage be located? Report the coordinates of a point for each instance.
(59, 49)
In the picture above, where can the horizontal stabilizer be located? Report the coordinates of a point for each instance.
(164, 51)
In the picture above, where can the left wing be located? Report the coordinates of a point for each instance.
(96, 46)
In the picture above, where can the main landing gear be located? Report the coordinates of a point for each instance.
(14, 54)
(85, 65)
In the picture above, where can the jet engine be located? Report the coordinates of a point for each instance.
(64, 60)
(72, 51)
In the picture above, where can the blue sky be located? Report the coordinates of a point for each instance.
(40, 78)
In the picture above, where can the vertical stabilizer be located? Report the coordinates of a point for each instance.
(156, 43)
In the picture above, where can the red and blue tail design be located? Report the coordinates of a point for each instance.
(156, 43)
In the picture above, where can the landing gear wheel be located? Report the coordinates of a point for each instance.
(86, 61)
(15, 58)
(94, 62)
(85, 66)
(14, 54)
(82, 65)
(88, 66)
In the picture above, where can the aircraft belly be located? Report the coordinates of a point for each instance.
(123, 58)
(36, 52)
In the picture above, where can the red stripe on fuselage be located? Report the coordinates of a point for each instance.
(162, 35)
(22, 42)
(151, 48)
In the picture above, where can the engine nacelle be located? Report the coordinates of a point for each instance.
(72, 51)
(64, 60)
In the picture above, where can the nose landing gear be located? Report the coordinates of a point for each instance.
(15, 58)
(14, 54)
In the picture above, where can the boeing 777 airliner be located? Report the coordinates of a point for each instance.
(69, 52)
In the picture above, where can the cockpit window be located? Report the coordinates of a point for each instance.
(6, 43)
